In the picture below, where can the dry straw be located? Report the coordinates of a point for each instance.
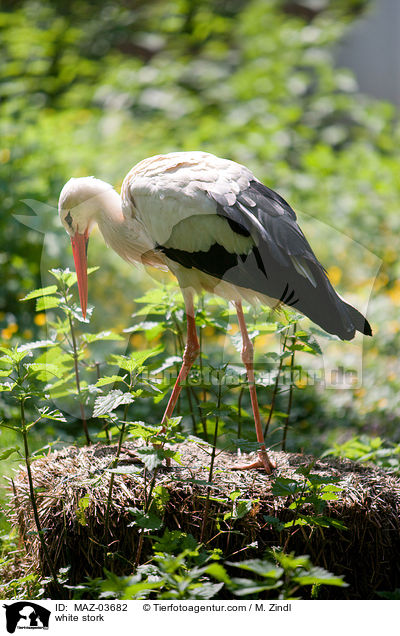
(366, 553)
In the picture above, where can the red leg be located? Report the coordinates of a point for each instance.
(189, 356)
(263, 460)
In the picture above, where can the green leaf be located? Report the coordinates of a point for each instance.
(391, 596)
(55, 415)
(11, 427)
(234, 495)
(8, 451)
(7, 386)
(47, 371)
(151, 457)
(290, 561)
(47, 302)
(140, 590)
(109, 379)
(241, 509)
(102, 335)
(13, 356)
(38, 344)
(142, 430)
(300, 521)
(283, 486)
(152, 329)
(67, 277)
(218, 571)
(153, 296)
(167, 364)
(44, 291)
(107, 403)
(247, 587)
(83, 504)
(261, 567)
(274, 522)
(322, 521)
(112, 431)
(267, 327)
(56, 356)
(161, 497)
(172, 422)
(147, 521)
(205, 590)
(171, 454)
(136, 359)
(318, 576)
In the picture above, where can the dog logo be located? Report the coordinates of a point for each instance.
(26, 615)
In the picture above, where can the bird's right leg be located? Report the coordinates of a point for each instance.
(189, 356)
(263, 460)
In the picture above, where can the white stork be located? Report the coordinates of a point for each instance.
(216, 227)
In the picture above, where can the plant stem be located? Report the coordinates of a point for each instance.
(139, 548)
(210, 472)
(202, 418)
(289, 408)
(239, 427)
(146, 509)
(114, 465)
(189, 397)
(296, 514)
(106, 427)
(275, 390)
(77, 380)
(33, 499)
(201, 343)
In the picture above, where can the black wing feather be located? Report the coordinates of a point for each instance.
(268, 268)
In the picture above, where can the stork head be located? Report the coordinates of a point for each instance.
(80, 204)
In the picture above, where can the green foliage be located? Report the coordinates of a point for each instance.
(77, 86)
(181, 568)
(205, 75)
(307, 498)
(369, 449)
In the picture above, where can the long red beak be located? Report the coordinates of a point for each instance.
(79, 251)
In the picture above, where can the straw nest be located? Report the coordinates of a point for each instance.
(369, 507)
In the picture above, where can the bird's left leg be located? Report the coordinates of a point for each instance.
(263, 460)
(189, 356)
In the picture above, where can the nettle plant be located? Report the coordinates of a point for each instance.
(212, 407)
(182, 568)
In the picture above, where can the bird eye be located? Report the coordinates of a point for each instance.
(68, 220)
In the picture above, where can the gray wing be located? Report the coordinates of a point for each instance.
(282, 263)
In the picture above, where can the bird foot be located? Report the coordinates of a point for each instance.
(263, 462)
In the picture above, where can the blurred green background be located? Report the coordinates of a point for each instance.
(94, 87)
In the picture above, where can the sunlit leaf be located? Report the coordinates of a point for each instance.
(102, 335)
(8, 452)
(108, 403)
(47, 371)
(109, 379)
(47, 302)
(44, 291)
(318, 576)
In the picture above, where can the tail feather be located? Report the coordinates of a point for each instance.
(360, 322)
(325, 307)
